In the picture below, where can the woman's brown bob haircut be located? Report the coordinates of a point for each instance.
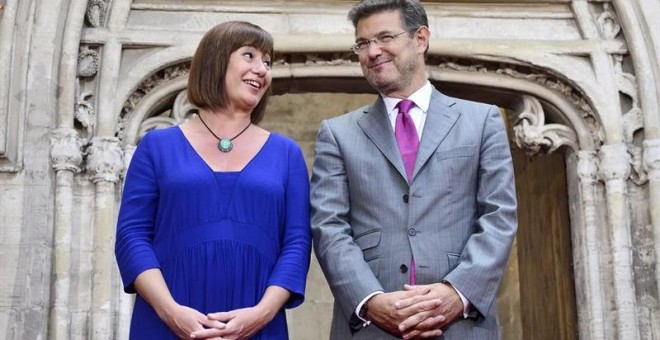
(206, 82)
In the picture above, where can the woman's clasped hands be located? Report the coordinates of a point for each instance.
(236, 324)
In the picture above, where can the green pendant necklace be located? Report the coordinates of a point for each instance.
(224, 144)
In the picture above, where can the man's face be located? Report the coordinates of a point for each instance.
(391, 67)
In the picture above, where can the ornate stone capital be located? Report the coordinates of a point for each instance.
(652, 159)
(587, 168)
(104, 159)
(65, 150)
(614, 166)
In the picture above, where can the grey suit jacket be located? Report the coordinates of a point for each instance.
(457, 216)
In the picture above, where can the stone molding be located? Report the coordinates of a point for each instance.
(14, 59)
(316, 64)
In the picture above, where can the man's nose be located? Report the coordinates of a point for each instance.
(374, 50)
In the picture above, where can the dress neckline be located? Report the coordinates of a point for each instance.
(201, 159)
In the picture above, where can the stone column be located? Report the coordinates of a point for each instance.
(104, 165)
(631, 14)
(125, 301)
(615, 170)
(652, 167)
(66, 157)
(594, 325)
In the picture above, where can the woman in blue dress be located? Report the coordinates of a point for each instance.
(213, 232)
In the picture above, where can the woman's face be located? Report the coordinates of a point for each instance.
(248, 77)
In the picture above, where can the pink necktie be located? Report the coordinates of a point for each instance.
(406, 136)
(408, 142)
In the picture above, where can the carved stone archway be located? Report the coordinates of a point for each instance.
(527, 91)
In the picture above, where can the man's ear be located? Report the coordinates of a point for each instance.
(422, 37)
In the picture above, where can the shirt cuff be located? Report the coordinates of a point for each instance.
(466, 303)
(365, 322)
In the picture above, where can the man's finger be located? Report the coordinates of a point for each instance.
(412, 321)
(411, 334)
(420, 289)
(431, 334)
(431, 323)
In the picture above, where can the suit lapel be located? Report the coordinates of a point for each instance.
(440, 118)
(376, 125)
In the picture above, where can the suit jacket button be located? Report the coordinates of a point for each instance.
(405, 198)
(404, 268)
(412, 232)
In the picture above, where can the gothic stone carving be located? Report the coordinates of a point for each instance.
(85, 113)
(65, 150)
(652, 159)
(104, 159)
(157, 79)
(88, 63)
(96, 11)
(532, 134)
(608, 23)
(181, 110)
(531, 130)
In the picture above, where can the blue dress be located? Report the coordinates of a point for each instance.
(219, 238)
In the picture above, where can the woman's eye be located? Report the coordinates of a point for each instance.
(267, 63)
(247, 55)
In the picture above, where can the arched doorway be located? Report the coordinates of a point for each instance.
(539, 279)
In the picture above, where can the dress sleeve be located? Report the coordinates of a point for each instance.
(291, 269)
(137, 215)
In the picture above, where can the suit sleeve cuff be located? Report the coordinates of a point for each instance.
(365, 322)
(466, 303)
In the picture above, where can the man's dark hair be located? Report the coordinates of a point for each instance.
(413, 15)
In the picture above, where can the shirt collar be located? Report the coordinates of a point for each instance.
(421, 98)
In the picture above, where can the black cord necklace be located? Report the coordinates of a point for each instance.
(224, 144)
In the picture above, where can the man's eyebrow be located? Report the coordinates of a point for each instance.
(377, 35)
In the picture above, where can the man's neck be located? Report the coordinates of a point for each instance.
(408, 90)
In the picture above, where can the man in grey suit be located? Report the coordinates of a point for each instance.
(413, 197)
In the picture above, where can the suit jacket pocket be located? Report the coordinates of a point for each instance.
(369, 244)
(457, 152)
(453, 259)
